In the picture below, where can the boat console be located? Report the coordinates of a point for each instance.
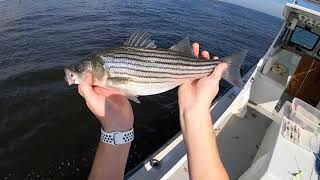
(292, 65)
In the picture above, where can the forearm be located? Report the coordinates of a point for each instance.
(200, 139)
(109, 162)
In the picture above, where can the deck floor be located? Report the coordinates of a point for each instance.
(238, 143)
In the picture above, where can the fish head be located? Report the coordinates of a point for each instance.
(76, 73)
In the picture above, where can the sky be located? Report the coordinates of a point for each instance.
(272, 7)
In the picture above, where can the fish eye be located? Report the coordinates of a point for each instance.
(78, 69)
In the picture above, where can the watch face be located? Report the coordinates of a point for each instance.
(124, 137)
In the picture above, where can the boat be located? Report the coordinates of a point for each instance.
(254, 138)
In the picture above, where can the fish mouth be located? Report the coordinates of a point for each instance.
(68, 77)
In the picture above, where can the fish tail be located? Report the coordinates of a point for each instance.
(232, 74)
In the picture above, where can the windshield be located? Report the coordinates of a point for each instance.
(304, 39)
(308, 4)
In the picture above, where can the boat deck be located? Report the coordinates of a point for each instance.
(238, 143)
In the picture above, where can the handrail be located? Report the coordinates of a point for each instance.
(308, 1)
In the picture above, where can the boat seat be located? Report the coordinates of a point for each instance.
(269, 86)
(289, 60)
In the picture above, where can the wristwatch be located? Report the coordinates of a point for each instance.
(116, 137)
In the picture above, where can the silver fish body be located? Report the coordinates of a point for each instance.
(141, 71)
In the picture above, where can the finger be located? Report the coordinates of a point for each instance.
(205, 55)
(218, 71)
(85, 87)
(195, 48)
(80, 91)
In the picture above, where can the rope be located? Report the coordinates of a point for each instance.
(306, 76)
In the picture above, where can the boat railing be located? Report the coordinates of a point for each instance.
(306, 1)
(309, 4)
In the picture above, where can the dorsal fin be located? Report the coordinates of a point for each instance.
(140, 39)
(184, 47)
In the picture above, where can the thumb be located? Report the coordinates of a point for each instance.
(218, 71)
(85, 88)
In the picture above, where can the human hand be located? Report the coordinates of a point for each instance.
(111, 107)
(196, 124)
(198, 95)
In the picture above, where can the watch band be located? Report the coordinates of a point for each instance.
(116, 138)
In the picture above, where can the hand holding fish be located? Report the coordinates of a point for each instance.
(196, 124)
(111, 108)
(114, 111)
(199, 94)
(115, 114)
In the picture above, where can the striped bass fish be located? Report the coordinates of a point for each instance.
(139, 68)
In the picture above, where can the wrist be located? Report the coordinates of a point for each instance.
(195, 119)
(195, 109)
(111, 128)
(116, 127)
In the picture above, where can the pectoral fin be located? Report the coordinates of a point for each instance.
(120, 81)
(133, 98)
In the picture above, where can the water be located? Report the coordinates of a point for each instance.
(45, 128)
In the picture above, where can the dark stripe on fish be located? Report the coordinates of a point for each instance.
(157, 72)
(156, 61)
(158, 51)
(180, 68)
(158, 79)
(159, 59)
